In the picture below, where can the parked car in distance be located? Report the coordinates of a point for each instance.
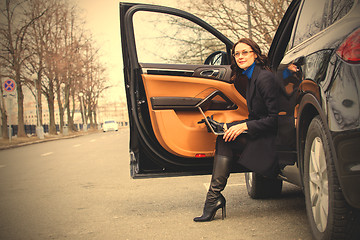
(110, 125)
(315, 55)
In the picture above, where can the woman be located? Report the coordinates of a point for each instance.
(250, 143)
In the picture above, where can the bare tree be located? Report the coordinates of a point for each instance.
(74, 39)
(51, 59)
(76, 75)
(45, 48)
(97, 86)
(37, 42)
(189, 43)
(56, 59)
(14, 48)
(56, 42)
(4, 131)
(92, 85)
(257, 19)
(63, 81)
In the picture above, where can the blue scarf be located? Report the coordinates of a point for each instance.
(249, 71)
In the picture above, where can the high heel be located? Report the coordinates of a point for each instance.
(223, 215)
(211, 208)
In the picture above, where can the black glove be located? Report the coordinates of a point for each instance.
(216, 126)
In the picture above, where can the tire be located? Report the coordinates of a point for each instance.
(329, 215)
(259, 187)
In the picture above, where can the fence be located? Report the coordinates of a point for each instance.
(31, 129)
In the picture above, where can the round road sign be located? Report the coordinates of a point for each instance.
(9, 85)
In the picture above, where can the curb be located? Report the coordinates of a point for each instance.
(43, 140)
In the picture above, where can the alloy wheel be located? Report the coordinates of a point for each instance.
(318, 184)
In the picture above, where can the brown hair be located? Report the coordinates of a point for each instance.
(260, 59)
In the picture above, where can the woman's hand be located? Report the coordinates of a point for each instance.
(234, 132)
(293, 68)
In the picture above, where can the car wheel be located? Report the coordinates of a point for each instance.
(261, 187)
(329, 215)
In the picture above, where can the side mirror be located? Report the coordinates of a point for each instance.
(217, 58)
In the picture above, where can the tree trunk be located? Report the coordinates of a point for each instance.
(20, 99)
(51, 105)
(70, 120)
(61, 111)
(91, 118)
(67, 102)
(95, 120)
(4, 130)
(71, 113)
(249, 18)
(82, 110)
(86, 115)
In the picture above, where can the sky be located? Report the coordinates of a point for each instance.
(102, 19)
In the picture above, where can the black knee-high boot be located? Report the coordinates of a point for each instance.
(214, 199)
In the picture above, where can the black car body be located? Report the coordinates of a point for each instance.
(319, 121)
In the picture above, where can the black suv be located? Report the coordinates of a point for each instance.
(176, 68)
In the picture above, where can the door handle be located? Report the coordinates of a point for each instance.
(210, 73)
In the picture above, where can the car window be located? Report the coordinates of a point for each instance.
(168, 39)
(310, 20)
(317, 15)
(336, 10)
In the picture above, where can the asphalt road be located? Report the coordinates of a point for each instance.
(80, 188)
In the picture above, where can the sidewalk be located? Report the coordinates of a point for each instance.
(23, 141)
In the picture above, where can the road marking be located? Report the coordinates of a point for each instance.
(77, 145)
(207, 185)
(237, 184)
(92, 140)
(46, 154)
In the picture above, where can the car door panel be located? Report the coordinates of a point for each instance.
(186, 103)
(174, 119)
(222, 73)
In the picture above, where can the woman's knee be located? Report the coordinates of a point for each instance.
(223, 148)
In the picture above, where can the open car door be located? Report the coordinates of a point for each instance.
(175, 66)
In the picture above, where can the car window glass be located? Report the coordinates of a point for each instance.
(337, 9)
(167, 39)
(311, 20)
(317, 15)
(316, 65)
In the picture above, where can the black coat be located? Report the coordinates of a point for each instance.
(259, 154)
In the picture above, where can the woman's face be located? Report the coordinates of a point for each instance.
(244, 55)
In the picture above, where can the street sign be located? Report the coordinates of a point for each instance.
(9, 85)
